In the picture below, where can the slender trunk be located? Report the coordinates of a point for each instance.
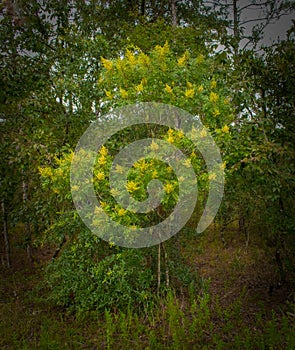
(142, 8)
(159, 269)
(236, 27)
(5, 232)
(173, 13)
(27, 224)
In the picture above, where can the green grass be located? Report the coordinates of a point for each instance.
(28, 322)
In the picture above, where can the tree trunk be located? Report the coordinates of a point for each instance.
(159, 269)
(5, 232)
(27, 224)
(236, 28)
(173, 13)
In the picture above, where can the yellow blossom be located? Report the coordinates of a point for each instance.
(216, 112)
(213, 97)
(45, 172)
(170, 139)
(154, 174)
(114, 192)
(170, 132)
(189, 93)
(109, 94)
(132, 186)
(213, 84)
(182, 60)
(144, 59)
(130, 57)
(100, 176)
(223, 165)
(139, 87)
(168, 88)
(107, 64)
(98, 210)
(193, 154)
(168, 188)
(142, 165)
(200, 59)
(203, 133)
(162, 50)
(226, 101)
(181, 179)
(119, 169)
(103, 151)
(189, 85)
(212, 176)
(200, 89)
(102, 160)
(154, 146)
(103, 204)
(225, 129)
(120, 64)
(121, 212)
(187, 163)
(75, 188)
(123, 93)
(180, 134)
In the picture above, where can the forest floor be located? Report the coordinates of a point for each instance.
(238, 277)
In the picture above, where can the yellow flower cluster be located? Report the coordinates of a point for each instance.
(203, 133)
(100, 176)
(189, 93)
(200, 89)
(225, 129)
(183, 59)
(154, 146)
(216, 112)
(169, 89)
(102, 160)
(213, 97)
(142, 165)
(122, 212)
(114, 192)
(109, 94)
(168, 188)
(119, 169)
(213, 84)
(108, 65)
(223, 165)
(212, 176)
(187, 163)
(75, 188)
(103, 151)
(130, 57)
(45, 172)
(123, 93)
(132, 186)
(162, 50)
(139, 87)
(144, 59)
(170, 134)
(154, 174)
